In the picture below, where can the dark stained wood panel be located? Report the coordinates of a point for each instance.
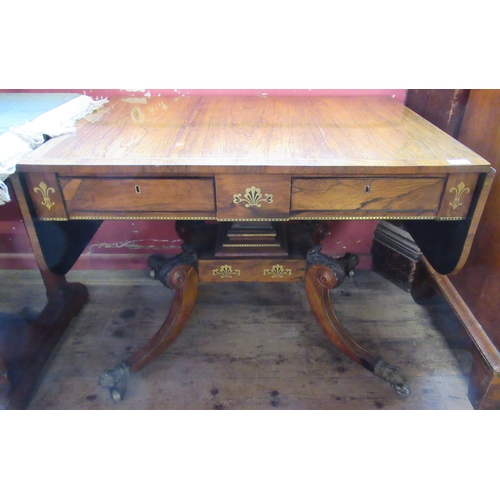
(444, 108)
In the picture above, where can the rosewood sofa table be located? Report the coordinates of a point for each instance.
(269, 171)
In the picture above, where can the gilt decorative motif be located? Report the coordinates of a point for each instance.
(277, 271)
(226, 271)
(253, 196)
(45, 191)
(459, 191)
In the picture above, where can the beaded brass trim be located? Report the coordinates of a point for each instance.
(256, 235)
(140, 218)
(245, 219)
(251, 245)
(369, 217)
(417, 217)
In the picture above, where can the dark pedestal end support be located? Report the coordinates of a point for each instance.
(64, 304)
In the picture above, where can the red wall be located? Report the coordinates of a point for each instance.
(126, 244)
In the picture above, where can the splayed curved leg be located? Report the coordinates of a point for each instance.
(323, 274)
(179, 274)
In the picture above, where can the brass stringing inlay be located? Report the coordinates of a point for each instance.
(459, 191)
(174, 217)
(277, 271)
(45, 192)
(103, 217)
(256, 235)
(226, 271)
(253, 196)
(234, 245)
(369, 217)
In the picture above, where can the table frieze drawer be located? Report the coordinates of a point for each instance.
(138, 195)
(247, 197)
(420, 195)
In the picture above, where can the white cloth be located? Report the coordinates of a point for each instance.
(21, 140)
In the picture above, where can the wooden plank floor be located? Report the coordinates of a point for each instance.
(246, 346)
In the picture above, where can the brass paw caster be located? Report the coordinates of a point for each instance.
(394, 376)
(401, 390)
(115, 394)
(116, 381)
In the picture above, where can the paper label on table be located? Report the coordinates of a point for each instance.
(459, 161)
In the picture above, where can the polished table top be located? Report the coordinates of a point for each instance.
(356, 134)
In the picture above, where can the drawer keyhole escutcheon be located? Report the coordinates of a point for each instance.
(367, 188)
(137, 189)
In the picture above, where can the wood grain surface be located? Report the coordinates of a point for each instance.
(367, 194)
(286, 132)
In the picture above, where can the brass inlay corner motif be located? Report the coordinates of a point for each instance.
(459, 191)
(45, 191)
(253, 196)
(277, 271)
(226, 271)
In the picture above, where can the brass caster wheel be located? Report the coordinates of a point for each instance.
(154, 263)
(394, 376)
(402, 390)
(115, 395)
(116, 381)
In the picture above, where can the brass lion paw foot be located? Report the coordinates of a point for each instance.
(393, 375)
(116, 381)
